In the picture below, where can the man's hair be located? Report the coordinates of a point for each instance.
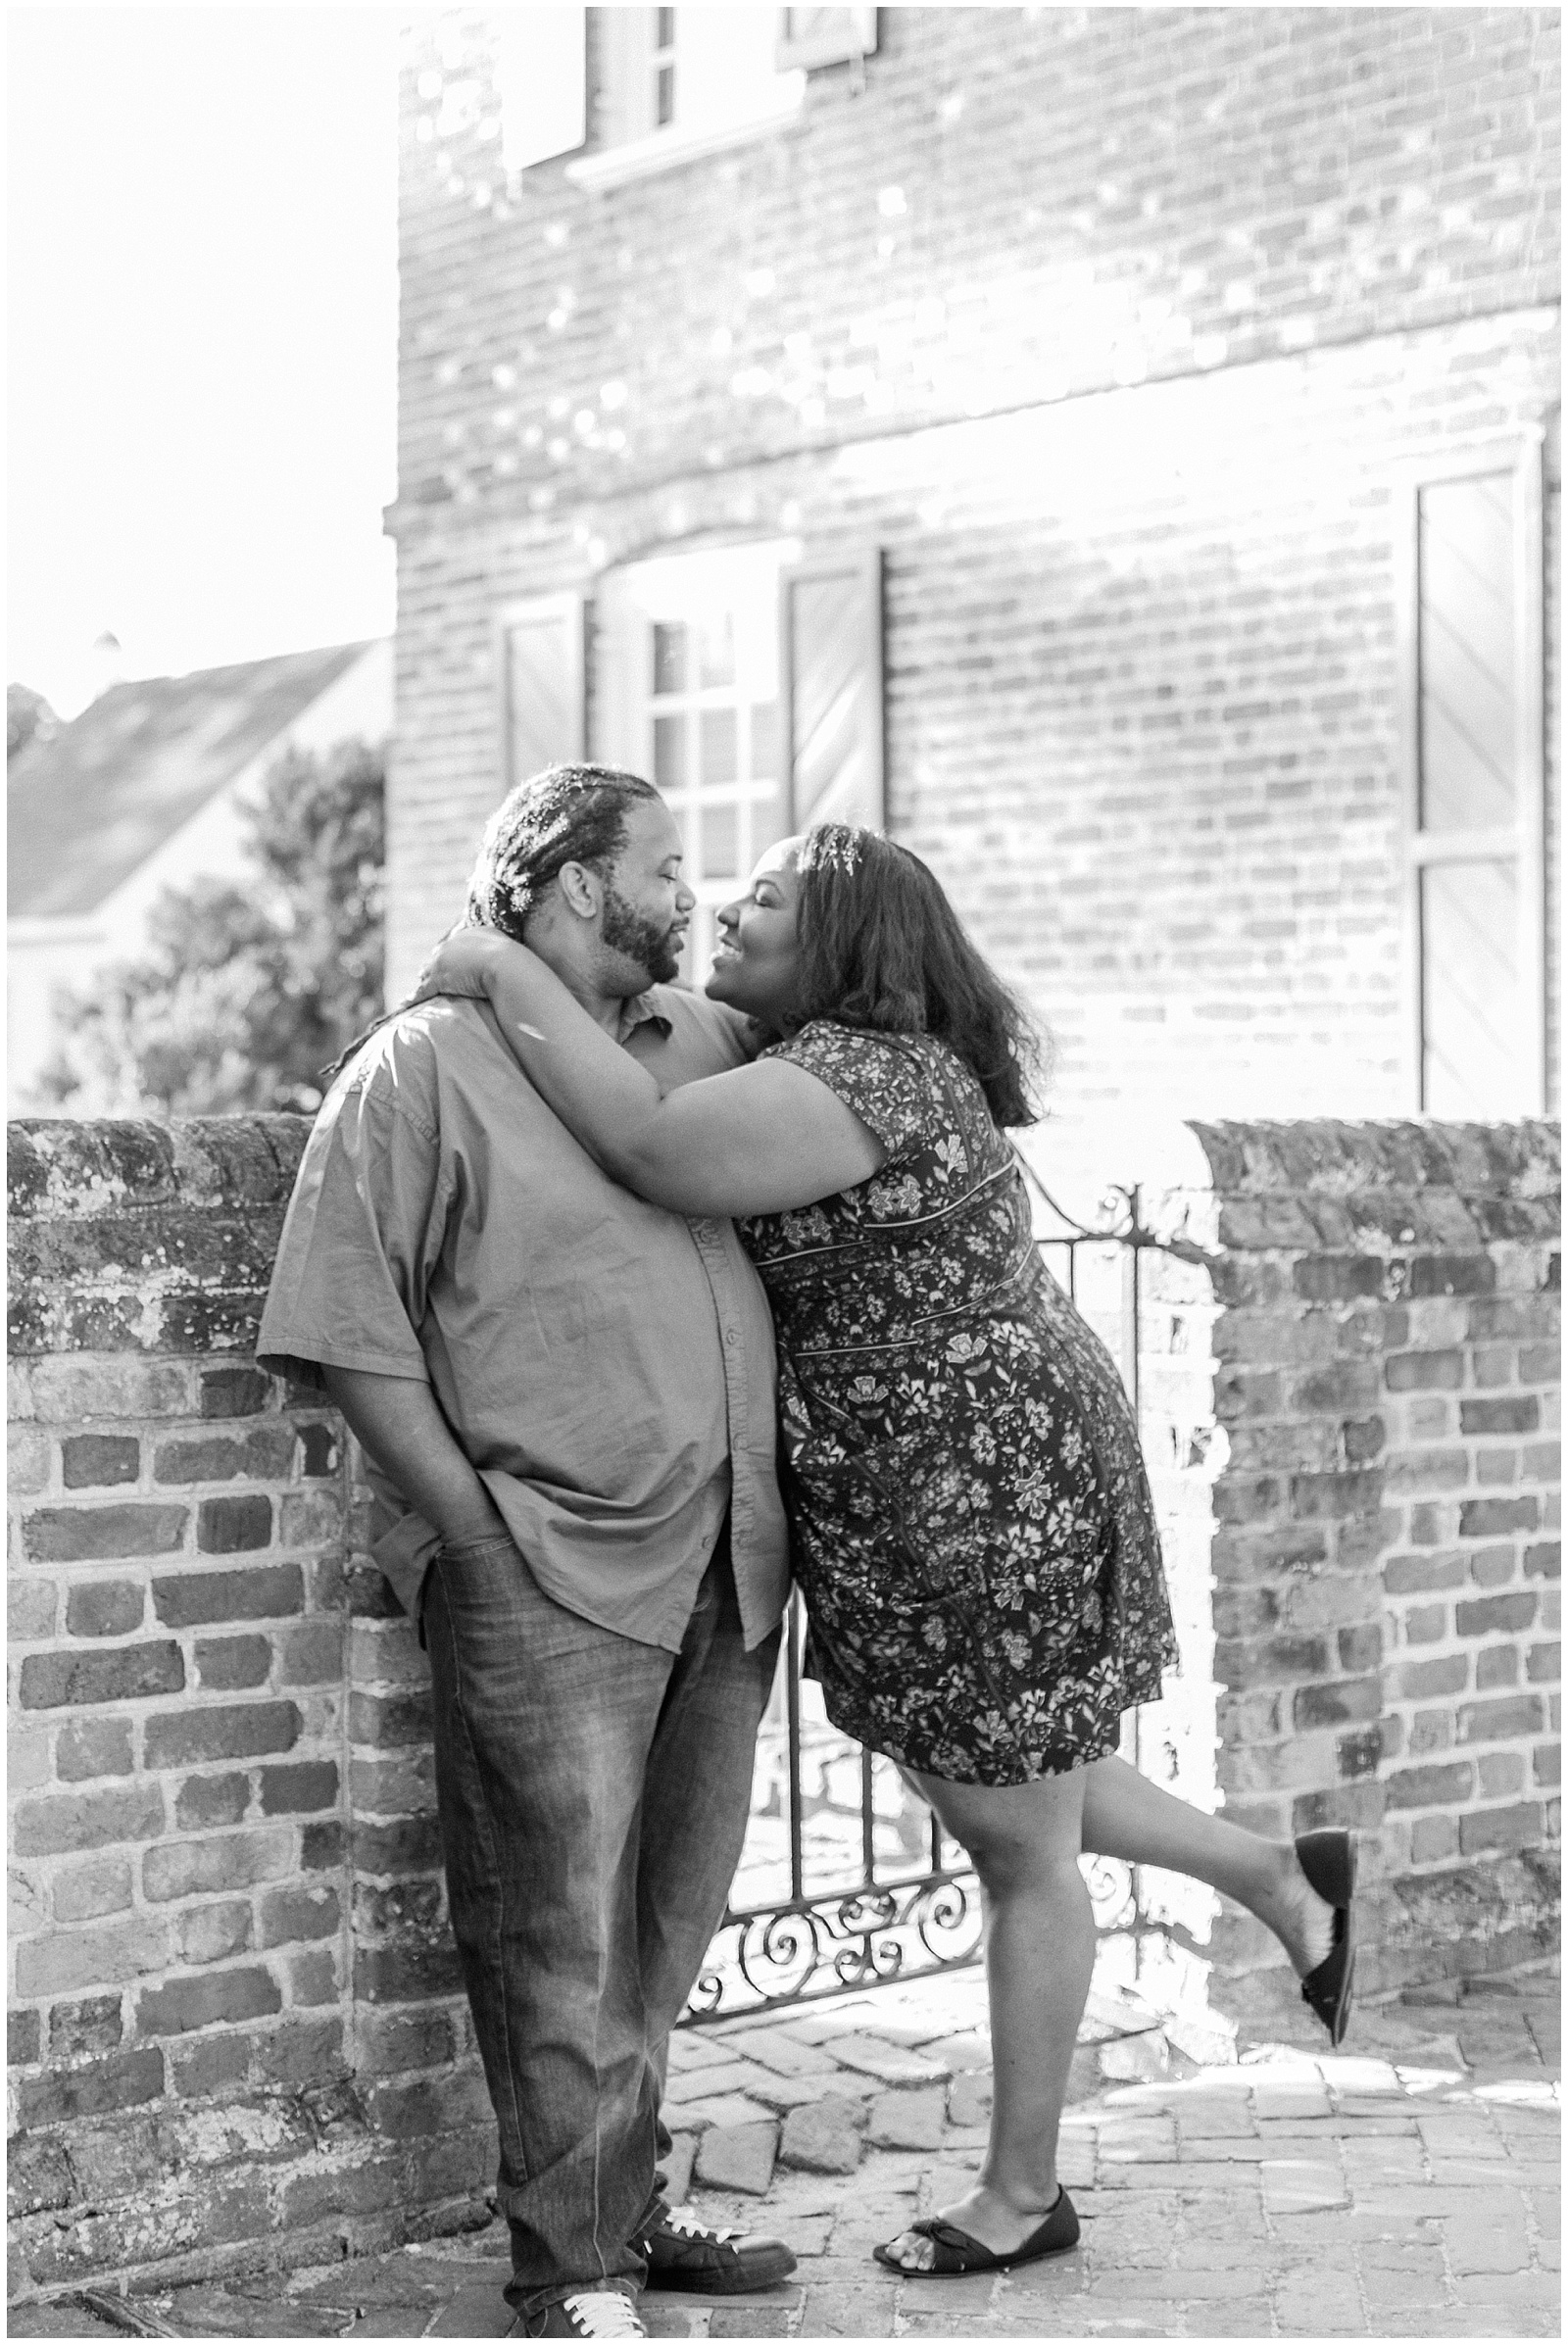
(566, 814)
(882, 948)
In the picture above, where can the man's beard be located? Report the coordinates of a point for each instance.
(645, 943)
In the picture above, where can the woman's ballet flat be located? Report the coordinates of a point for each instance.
(956, 2252)
(1328, 1859)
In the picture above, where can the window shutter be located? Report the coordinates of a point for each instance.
(813, 36)
(539, 666)
(541, 73)
(830, 666)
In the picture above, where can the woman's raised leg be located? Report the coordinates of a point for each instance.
(1126, 1816)
(1024, 1840)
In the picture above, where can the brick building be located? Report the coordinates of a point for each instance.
(1116, 447)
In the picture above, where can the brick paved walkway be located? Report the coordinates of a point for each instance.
(1406, 2187)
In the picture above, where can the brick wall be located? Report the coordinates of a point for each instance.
(1127, 401)
(1381, 1310)
(207, 2055)
(236, 2033)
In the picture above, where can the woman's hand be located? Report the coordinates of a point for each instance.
(465, 963)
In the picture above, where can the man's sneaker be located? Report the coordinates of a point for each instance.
(683, 2253)
(590, 2313)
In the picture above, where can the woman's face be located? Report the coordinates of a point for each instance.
(756, 962)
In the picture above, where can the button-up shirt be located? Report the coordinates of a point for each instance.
(606, 1365)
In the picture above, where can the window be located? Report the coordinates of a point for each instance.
(748, 685)
(1475, 774)
(689, 657)
(673, 83)
(745, 680)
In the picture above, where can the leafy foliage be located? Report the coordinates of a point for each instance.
(245, 994)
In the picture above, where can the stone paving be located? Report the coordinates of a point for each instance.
(1406, 2187)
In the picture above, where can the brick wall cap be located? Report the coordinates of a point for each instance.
(57, 1167)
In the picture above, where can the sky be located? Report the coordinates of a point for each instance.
(202, 335)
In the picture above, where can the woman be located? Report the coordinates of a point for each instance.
(971, 1524)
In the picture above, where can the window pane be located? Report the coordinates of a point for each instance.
(664, 105)
(721, 841)
(669, 752)
(764, 742)
(669, 657)
(718, 652)
(666, 29)
(718, 746)
(1467, 654)
(1469, 990)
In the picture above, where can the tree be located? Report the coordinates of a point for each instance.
(26, 713)
(246, 994)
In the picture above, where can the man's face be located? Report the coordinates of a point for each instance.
(647, 903)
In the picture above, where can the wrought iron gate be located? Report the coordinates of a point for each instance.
(847, 1881)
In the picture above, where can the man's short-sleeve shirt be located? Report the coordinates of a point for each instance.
(606, 1365)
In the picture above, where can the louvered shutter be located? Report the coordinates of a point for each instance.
(541, 73)
(813, 36)
(830, 666)
(540, 662)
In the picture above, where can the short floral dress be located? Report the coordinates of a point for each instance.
(971, 1522)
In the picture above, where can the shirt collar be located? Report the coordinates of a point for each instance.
(640, 1009)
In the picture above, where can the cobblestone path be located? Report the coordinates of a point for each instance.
(1405, 2187)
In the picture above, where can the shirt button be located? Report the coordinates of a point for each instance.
(732, 1336)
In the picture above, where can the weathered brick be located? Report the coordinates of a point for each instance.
(300, 1789)
(231, 1731)
(89, 1820)
(313, 1977)
(31, 1608)
(1543, 1561)
(1423, 1370)
(125, 2080)
(211, 2064)
(1517, 1414)
(93, 1746)
(229, 1526)
(319, 1450)
(229, 1663)
(1487, 1518)
(68, 1390)
(1428, 1787)
(230, 1861)
(407, 1972)
(291, 1913)
(234, 1392)
(390, 1720)
(1413, 1575)
(187, 2004)
(410, 1844)
(94, 1533)
(105, 1607)
(1520, 1827)
(214, 1933)
(1501, 1773)
(76, 1958)
(38, 2176)
(208, 1799)
(311, 1654)
(1348, 1700)
(1451, 1274)
(1419, 1681)
(192, 1599)
(1497, 1666)
(128, 1673)
(322, 1846)
(1496, 1616)
(1490, 1722)
(86, 1892)
(1543, 1664)
(86, 2029)
(24, 2038)
(1331, 1496)
(97, 1461)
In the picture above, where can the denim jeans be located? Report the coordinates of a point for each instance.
(594, 1796)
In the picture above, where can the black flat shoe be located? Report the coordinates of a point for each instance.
(1328, 1859)
(956, 2252)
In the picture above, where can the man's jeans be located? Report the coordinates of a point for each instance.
(594, 1796)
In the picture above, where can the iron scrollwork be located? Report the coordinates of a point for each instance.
(839, 1944)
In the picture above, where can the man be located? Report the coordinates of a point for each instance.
(566, 1399)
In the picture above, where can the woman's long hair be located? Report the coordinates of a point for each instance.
(882, 948)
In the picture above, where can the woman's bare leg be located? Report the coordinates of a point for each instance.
(1126, 1816)
(1024, 1840)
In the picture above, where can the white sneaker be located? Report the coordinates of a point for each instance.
(590, 2313)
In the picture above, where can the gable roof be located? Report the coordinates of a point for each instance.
(85, 807)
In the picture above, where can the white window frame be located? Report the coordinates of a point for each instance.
(635, 144)
(1522, 842)
(691, 587)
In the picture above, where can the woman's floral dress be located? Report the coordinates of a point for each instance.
(972, 1525)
